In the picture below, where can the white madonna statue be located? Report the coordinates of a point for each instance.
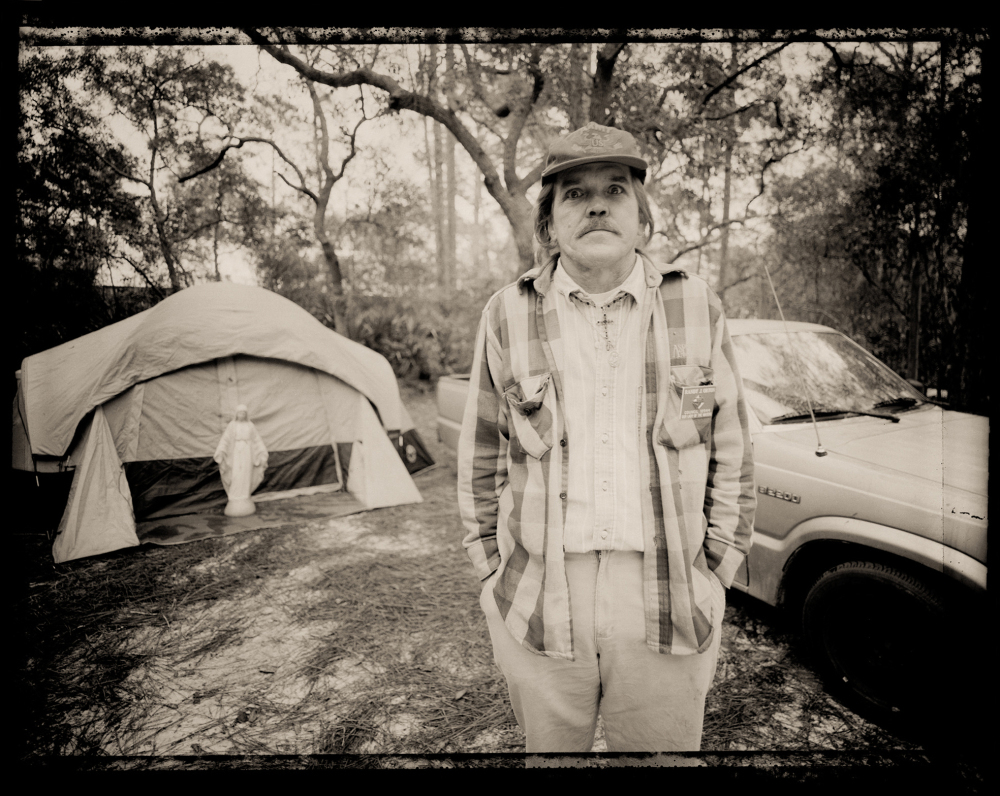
(242, 459)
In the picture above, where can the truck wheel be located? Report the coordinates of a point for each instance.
(881, 638)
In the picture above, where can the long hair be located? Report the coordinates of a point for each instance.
(541, 216)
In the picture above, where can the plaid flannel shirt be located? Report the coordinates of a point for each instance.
(513, 463)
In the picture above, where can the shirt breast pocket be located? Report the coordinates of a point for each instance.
(532, 413)
(690, 408)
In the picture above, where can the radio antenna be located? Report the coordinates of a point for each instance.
(820, 450)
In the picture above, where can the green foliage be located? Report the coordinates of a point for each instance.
(182, 103)
(74, 217)
(388, 237)
(707, 136)
(896, 209)
(421, 334)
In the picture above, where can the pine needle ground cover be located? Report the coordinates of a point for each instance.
(331, 638)
(358, 636)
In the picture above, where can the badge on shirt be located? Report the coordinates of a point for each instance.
(697, 402)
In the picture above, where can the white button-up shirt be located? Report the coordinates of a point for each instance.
(603, 405)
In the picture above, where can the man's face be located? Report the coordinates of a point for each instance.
(595, 215)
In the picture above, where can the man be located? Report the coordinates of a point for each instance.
(605, 474)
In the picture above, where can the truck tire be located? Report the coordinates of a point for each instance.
(882, 639)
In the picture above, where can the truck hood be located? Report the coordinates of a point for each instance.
(950, 448)
(946, 451)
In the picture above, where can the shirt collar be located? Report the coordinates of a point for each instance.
(540, 276)
(634, 283)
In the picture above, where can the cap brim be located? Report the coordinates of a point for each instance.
(628, 160)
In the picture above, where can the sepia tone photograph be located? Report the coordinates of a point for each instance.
(428, 398)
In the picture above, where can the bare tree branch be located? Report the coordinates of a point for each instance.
(353, 139)
(535, 174)
(156, 288)
(705, 240)
(716, 89)
(745, 277)
(201, 227)
(489, 122)
(770, 162)
(519, 118)
(755, 103)
(399, 99)
(871, 280)
(476, 72)
(667, 89)
(239, 144)
(837, 60)
(299, 188)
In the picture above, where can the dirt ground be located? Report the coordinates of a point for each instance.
(360, 636)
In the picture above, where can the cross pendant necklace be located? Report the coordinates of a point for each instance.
(613, 358)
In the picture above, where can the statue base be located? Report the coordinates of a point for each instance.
(240, 507)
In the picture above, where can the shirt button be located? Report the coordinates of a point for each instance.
(604, 485)
(562, 495)
(604, 391)
(604, 534)
(563, 442)
(604, 437)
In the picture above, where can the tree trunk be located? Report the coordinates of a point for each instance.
(478, 235)
(913, 311)
(440, 221)
(579, 97)
(705, 211)
(600, 100)
(913, 337)
(975, 292)
(524, 237)
(429, 150)
(451, 227)
(451, 248)
(727, 195)
(437, 176)
(159, 220)
(215, 231)
(322, 200)
(336, 285)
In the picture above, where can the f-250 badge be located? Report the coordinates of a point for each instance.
(766, 490)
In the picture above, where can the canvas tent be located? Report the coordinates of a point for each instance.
(136, 410)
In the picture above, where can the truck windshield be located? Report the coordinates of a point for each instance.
(841, 377)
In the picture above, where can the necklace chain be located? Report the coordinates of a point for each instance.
(613, 356)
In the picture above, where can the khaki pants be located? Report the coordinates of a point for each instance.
(650, 702)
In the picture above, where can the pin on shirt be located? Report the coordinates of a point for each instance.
(697, 402)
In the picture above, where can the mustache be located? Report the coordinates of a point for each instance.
(595, 224)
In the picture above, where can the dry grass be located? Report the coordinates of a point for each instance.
(395, 658)
(392, 658)
(359, 636)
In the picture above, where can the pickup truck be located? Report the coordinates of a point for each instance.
(871, 516)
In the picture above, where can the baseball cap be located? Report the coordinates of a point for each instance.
(594, 142)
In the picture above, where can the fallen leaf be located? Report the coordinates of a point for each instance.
(460, 694)
(242, 717)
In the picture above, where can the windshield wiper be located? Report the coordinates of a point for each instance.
(825, 412)
(902, 400)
